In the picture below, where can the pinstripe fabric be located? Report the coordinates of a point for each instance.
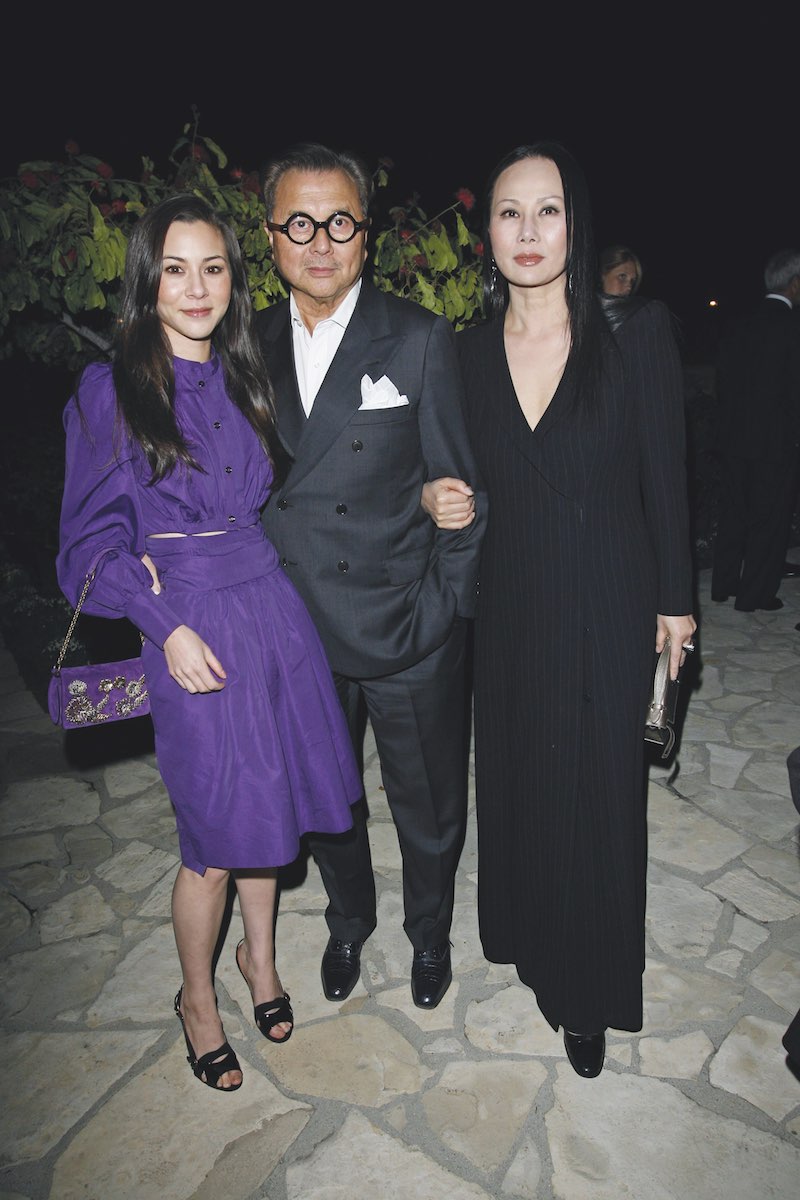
(587, 540)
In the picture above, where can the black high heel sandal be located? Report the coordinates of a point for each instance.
(271, 1013)
(209, 1068)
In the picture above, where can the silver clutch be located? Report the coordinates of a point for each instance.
(659, 726)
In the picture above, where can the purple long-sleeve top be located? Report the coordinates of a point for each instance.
(110, 505)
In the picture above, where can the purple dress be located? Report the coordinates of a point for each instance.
(251, 768)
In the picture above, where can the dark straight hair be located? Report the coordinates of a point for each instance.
(144, 377)
(586, 325)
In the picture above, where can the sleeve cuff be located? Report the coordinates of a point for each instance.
(153, 616)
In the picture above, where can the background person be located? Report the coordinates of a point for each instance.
(620, 271)
(368, 398)
(168, 457)
(758, 433)
(585, 571)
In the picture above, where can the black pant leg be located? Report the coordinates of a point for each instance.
(729, 540)
(770, 498)
(344, 859)
(420, 720)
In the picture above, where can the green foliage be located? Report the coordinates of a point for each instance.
(64, 229)
(423, 260)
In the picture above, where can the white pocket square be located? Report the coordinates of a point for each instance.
(382, 394)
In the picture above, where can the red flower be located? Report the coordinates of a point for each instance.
(465, 198)
(105, 209)
(406, 234)
(199, 153)
(236, 173)
(479, 248)
(72, 147)
(118, 207)
(30, 179)
(105, 170)
(420, 260)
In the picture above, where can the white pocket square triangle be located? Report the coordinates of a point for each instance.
(381, 394)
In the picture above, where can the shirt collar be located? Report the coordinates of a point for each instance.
(778, 296)
(341, 314)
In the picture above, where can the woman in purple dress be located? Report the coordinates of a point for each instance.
(170, 452)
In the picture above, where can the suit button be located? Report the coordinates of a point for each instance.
(343, 566)
(228, 470)
(357, 445)
(231, 520)
(284, 562)
(217, 425)
(283, 505)
(341, 509)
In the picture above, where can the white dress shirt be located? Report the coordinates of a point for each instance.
(314, 352)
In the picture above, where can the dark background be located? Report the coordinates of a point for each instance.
(686, 127)
(684, 119)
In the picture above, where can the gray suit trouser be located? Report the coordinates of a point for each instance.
(420, 719)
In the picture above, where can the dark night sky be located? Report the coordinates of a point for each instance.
(691, 155)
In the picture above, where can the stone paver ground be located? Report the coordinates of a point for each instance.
(375, 1098)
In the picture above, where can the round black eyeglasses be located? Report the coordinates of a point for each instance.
(302, 229)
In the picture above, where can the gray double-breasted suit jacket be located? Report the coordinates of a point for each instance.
(381, 582)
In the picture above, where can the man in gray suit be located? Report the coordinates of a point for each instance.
(368, 399)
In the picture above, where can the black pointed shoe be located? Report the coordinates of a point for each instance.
(341, 968)
(431, 975)
(586, 1052)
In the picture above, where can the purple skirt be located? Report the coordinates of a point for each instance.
(251, 768)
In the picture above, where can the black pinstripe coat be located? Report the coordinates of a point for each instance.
(587, 541)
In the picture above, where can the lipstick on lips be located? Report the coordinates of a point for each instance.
(196, 312)
(528, 260)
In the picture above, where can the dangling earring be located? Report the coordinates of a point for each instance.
(494, 276)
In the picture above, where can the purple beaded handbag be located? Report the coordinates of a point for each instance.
(98, 693)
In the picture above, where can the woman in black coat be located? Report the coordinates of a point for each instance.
(579, 437)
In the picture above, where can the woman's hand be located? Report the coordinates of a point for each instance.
(191, 663)
(449, 502)
(151, 566)
(679, 630)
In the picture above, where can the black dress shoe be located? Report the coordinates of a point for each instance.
(767, 606)
(586, 1052)
(341, 968)
(431, 975)
(720, 597)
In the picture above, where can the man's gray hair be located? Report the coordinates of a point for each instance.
(311, 156)
(781, 269)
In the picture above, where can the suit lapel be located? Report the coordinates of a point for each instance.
(280, 363)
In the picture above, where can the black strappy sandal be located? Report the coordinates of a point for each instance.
(209, 1068)
(272, 1013)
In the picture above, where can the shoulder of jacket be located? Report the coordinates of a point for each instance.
(265, 317)
(402, 309)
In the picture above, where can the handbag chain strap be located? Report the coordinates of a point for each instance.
(74, 621)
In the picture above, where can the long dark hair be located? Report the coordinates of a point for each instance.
(585, 320)
(144, 377)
